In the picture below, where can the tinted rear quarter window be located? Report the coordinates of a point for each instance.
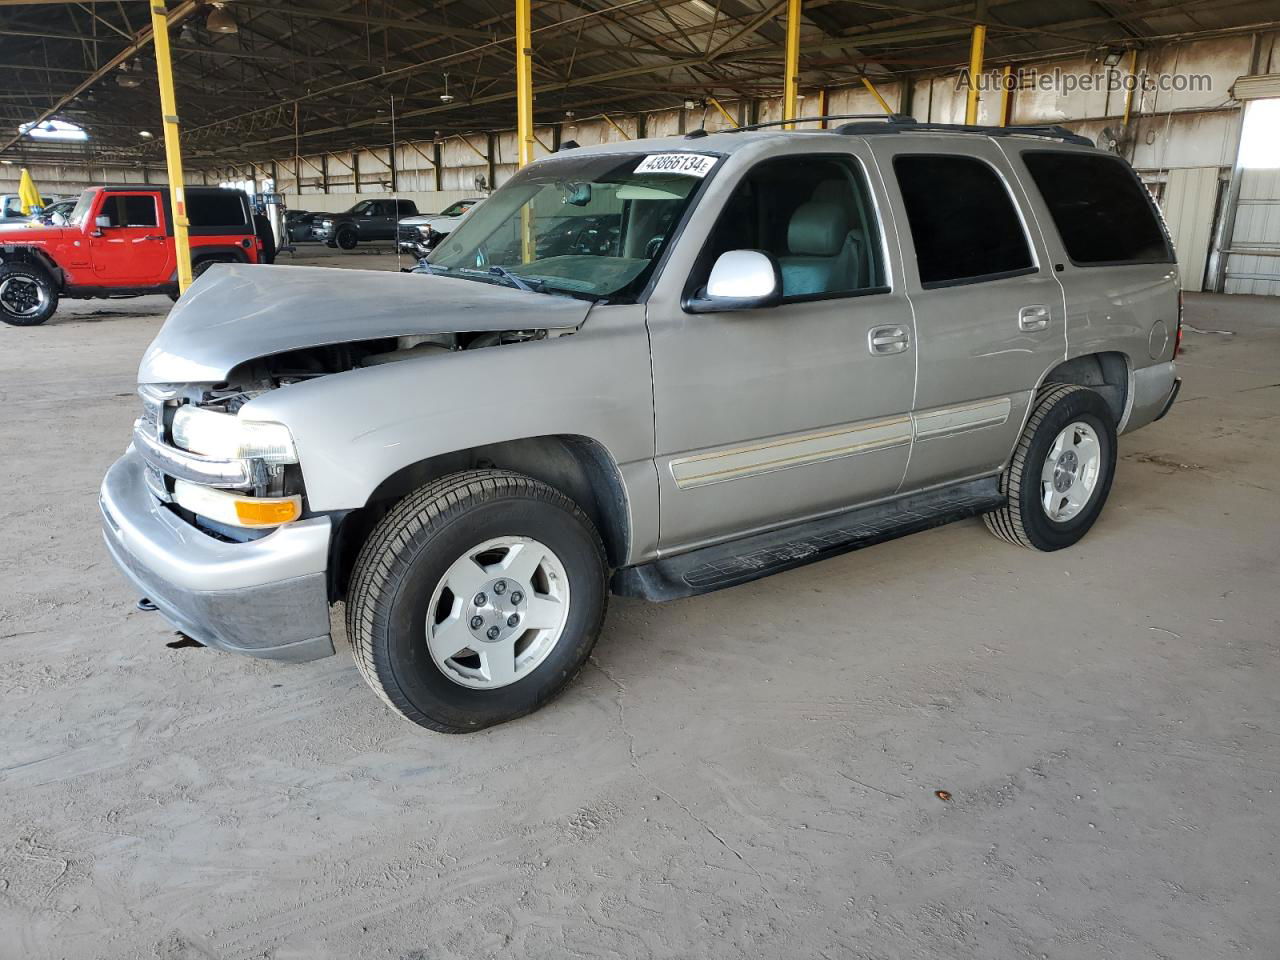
(963, 222)
(216, 210)
(1101, 210)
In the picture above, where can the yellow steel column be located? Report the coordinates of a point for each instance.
(975, 68)
(791, 88)
(524, 116)
(1132, 82)
(524, 82)
(1006, 93)
(172, 147)
(872, 89)
(720, 107)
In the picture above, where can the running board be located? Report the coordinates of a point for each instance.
(741, 561)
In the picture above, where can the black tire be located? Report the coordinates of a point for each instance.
(1023, 520)
(347, 238)
(198, 270)
(408, 554)
(46, 295)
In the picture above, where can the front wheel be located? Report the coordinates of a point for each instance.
(1061, 471)
(346, 239)
(28, 296)
(476, 600)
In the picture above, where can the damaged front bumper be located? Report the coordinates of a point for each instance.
(265, 598)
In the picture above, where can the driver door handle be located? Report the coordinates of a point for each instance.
(884, 341)
(1034, 317)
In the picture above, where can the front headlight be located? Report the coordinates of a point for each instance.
(225, 436)
(326, 223)
(426, 230)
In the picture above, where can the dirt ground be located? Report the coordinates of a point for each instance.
(752, 774)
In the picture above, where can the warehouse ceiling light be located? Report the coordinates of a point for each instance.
(221, 20)
(129, 78)
(145, 134)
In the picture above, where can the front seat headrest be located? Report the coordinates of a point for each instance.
(817, 230)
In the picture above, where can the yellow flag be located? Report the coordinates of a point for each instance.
(28, 195)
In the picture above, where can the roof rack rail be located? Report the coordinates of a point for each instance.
(890, 117)
(903, 124)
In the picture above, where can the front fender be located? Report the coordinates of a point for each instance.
(355, 429)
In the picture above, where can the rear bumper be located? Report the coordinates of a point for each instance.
(1173, 395)
(1152, 391)
(265, 598)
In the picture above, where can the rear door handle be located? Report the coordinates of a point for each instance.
(1035, 317)
(883, 341)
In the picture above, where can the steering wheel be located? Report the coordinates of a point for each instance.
(653, 246)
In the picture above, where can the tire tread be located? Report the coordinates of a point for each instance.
(1007, 521)
(390, 548)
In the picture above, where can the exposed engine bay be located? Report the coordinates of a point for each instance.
(258, 376)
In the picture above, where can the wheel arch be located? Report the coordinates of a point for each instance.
(218, 253)
(1107, 372)
(577, 466)
(35, 257)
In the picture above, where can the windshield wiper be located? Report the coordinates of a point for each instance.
(506, 274)
(430, 268)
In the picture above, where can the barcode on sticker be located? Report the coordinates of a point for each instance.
(685, 164)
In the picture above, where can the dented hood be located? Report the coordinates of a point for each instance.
(237, 312)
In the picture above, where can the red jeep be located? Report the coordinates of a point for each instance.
(118, 242)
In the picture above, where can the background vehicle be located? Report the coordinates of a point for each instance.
(58, 212)
(419, 235)
(787, 346)
(299, 225)
(118, 241)
(11, 207)
(367, 220)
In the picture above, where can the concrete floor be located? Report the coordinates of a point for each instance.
(751, 774)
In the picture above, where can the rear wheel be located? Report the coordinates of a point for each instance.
(1061, 471)
(28, 296)
(476, 600)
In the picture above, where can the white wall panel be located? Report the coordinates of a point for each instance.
(1190, 198)
(1257, 228)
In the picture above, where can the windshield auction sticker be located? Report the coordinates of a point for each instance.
(684, 164)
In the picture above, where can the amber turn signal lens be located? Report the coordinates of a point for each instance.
(268, 513)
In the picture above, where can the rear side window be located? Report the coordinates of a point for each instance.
(963, 221)
(1102, 212)
(216, 209)
(130, 210)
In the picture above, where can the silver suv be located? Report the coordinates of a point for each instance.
(785, 346)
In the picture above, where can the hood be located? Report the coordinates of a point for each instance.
(237, 312)
(418, 220)
(30, 229)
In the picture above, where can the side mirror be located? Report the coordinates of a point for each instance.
(102, 221)
(740, 280)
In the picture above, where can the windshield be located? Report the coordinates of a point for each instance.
(591, 226)
(81, 210)
(457, 210)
